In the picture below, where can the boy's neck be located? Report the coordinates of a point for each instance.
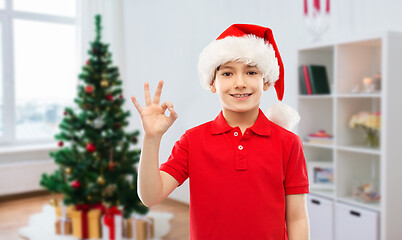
(243, 120)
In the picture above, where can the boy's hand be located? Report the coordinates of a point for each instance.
(154, 120)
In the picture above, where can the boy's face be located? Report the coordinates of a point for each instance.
(239, 86)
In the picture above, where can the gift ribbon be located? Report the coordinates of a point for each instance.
(141, 217)
(109, 220)
(63, 219)
(84, 216)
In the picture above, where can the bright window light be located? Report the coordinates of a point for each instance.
(53, 7)
(45, 76)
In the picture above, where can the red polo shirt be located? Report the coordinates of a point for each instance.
(238, 182)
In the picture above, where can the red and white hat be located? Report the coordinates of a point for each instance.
(250, 44)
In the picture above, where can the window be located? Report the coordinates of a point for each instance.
(39, 78)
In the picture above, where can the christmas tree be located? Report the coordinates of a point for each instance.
(98, 165)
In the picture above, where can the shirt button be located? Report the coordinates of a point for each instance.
(240, 147)
(235, 133)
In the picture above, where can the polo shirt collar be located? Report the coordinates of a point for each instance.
(262, 125)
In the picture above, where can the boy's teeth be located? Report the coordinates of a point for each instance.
(242, 95)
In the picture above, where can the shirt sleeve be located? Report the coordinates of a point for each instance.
(296, 179)
(177, 163)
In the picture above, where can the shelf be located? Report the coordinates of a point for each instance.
(353, 201)
(359, 95)
(316, 145)
(316, 96)
(323, 193)
(359, 149)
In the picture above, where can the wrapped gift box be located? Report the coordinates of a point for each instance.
(86, 220)
(112, 224)
(63, 223)
(139, 227)
(63, 227)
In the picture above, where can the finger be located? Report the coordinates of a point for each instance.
(147, 95)
(136, 104)
(167, 105)
(158, 92)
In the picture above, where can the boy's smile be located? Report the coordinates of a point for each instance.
(239, 87)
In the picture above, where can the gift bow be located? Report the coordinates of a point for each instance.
(109, 220)
(84, 218)
(141, 217)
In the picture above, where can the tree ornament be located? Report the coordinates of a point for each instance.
(109, 97)
(121, 96)
(91, 147)
(134, 140)
(107, 109)
(98, 123)
(53, 202)
(104, 83)
(111, 166)
(89, 89)
(76, 184)
(60, 143)
(101, 180)
(109, 190)
(65, 113)
(87, 62)
(89, 197)
(68, 170)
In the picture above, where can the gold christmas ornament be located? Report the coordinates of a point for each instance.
(104, 83)
(68, 170)
(89, 197)
(108, 108)
(101, 180)
(54, 202)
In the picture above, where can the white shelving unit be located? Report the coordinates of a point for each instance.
(347, 62)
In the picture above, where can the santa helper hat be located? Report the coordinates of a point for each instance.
(250, 44)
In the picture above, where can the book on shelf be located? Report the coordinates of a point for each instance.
(320, 137)
(313, 80)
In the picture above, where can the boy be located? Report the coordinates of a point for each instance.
(247, 174)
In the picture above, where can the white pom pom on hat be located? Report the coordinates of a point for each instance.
(250, 44)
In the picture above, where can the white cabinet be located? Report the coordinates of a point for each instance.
(348, 62)
(320, 211)
(354, 223)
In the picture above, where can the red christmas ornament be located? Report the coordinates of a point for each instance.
(121, 95)
(61, 143)
(65, 113)
(91, 147)
(109, 97)
(76, 184)
(87, 62)
(111, 166)
(89, 89)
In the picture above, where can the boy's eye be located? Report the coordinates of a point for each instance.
(226, 74)
(252, 73)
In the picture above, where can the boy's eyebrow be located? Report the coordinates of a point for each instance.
(248, 66)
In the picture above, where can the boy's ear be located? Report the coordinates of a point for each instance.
(266, 85)
(212, 87)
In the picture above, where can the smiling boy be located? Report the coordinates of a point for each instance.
(247, 174)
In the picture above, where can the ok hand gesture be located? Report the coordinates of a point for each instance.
(154, 120)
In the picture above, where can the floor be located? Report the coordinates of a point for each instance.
(15, 212)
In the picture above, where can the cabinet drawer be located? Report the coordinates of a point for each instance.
(320, 211)
(355, 223)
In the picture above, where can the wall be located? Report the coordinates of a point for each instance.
(163, 40)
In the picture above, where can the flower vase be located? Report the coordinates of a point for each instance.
(372, 138)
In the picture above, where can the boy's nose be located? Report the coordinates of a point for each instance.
(240, 82)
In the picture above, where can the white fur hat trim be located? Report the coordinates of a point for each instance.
(283, 115)
(248, 49)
